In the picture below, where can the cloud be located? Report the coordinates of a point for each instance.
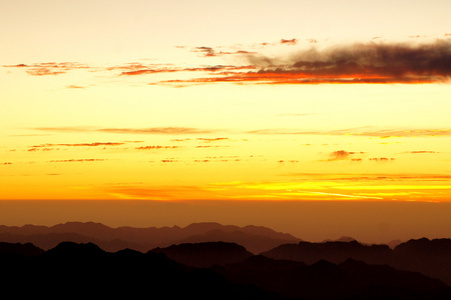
(50, 68)
(75, 87)
(208, 140)
(407, 63)
(289, 42)
(76, 160)
(420, 152)
(210, 69)
(382, 159)
(363, 131)
(79, 145)
(155, 130)
(344, 155)
(150, 130)
(157, 147)
(338, 155)
(210, 146)
(211, 52)
(401, 177)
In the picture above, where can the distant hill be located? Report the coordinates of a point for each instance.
(429, 257)
(335, 252)
(254, 238)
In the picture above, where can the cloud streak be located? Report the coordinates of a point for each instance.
(50, 68)
(357, 63)
(364, 131)
(149, 130)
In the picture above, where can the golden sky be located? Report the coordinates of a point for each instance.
(225, 100)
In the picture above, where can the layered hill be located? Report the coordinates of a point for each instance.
(255, 239)
(429, 257)
(87, 271)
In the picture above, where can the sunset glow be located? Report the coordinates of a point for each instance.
(206, 100)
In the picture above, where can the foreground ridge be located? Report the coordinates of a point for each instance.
(86, 270)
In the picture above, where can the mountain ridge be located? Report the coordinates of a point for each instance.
(254, 238)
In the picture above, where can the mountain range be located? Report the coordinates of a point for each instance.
(255, 239)
(203, 245)
(85, 270)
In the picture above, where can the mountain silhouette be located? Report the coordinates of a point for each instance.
(325, 280)
(429, 257)
(254, 238)
(335, 252)
(205, 254)
(27, 249)
(87, 271)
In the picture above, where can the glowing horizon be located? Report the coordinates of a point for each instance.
(107, 100)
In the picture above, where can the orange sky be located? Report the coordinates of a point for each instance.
(208, 100)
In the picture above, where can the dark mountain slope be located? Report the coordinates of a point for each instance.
(325, 280)
(335, 252)
(205, 254)
(86, 271)
(430, 257)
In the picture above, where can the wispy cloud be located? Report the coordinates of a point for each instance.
(156, 147)
(149, 130)
(50, 68)
(209, 140)
(363, 131)
(382, 159)
(77, 160)
(97, 144)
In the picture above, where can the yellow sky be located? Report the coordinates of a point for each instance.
(175, 100)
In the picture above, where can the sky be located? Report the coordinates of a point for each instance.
(225, 100)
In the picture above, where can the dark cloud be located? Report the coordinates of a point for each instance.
(356, 63)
